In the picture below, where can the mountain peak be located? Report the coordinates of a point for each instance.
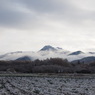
(48, 48)
(24, 58)
(76, 53)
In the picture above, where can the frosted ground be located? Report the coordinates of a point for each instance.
(47, 85)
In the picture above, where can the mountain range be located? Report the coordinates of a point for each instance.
(50, 52)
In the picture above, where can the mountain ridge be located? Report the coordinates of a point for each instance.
(45, 52)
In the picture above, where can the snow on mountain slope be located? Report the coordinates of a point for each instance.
(47, 52)
(48, 48)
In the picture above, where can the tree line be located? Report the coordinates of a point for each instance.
(52, 65)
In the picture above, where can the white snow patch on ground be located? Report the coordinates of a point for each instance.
(46, 86)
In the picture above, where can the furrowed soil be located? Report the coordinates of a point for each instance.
(47, 84)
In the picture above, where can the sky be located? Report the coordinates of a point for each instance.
(28, 25)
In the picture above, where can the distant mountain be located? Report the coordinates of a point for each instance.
(11, 53)
(48, 48)
(24, 58)
(76, 53)
(48, 51)
(59, 48)
(92, 52)
(16, 55)
(85, 60)
(2, 56)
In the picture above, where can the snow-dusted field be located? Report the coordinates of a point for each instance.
(46, 86)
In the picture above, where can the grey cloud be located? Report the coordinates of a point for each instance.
(60, 10)
(11, 17)
(43, 6)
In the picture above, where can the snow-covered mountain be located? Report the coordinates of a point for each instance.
(76, 53)
(48, 48)
(47, 52)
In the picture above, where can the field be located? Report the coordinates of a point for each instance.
(47, 84)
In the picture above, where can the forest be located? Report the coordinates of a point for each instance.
(52, 65)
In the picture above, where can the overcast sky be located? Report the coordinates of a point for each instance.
(28, 25)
